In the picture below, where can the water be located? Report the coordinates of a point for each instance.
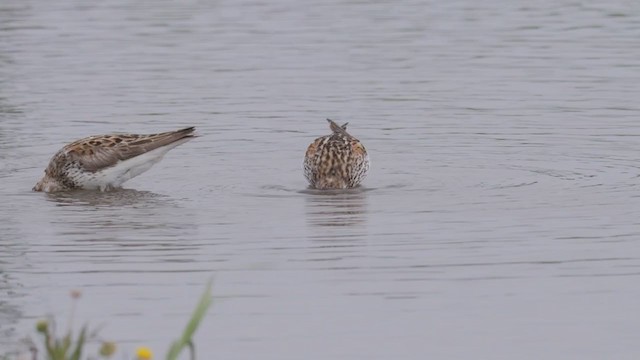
(499, 219)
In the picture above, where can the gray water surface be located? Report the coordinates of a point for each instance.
(500, 218)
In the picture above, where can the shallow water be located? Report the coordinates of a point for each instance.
(499, 219)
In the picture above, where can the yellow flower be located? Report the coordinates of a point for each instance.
(144, 353)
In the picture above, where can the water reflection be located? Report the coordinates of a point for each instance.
(336, 207)
(116, 198)
(123, 218)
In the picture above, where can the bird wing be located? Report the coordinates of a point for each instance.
(98, 152)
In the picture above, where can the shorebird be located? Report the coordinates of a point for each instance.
(336, 161)
(104, 162)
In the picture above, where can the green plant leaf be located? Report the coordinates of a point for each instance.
(198, 314)
(47, 344)
(79, 344)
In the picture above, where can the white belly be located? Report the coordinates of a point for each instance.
(114, 176)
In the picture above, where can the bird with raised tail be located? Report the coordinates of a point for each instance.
(336, 161)
(105, 162)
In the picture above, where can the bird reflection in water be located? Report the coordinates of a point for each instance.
(337, 207)
(123, 217)
(114, 198)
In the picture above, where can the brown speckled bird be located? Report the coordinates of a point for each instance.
(336, 161)
(104, 162)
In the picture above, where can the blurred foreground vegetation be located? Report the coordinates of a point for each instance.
(70, 345)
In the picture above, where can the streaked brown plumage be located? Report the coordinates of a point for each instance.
(106, 161)
(336, 161)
